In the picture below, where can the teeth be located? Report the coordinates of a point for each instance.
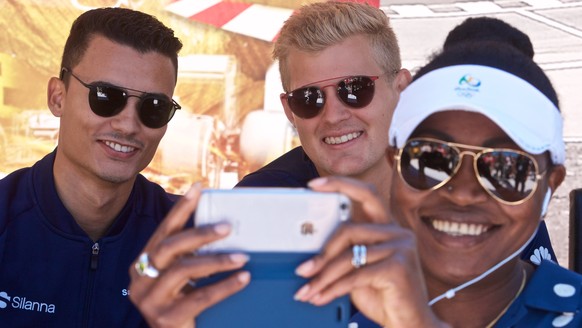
(118, 147)
(459, 228)
(342, 139)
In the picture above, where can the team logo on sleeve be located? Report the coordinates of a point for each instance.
(4, 300)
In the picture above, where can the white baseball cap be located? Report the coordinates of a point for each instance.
(528, 117)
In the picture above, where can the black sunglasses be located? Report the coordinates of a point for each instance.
(510, 176)
(154, 110)
(354, 91)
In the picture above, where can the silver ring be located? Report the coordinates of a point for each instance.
(144, 267)
(359, 257)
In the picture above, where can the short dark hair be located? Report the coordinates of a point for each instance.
(484, 28)
(136, 29)
(497, 55)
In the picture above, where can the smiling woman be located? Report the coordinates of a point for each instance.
(478, 150)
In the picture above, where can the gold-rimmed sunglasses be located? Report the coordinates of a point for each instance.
(508, 175)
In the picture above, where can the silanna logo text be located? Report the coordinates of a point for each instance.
(19, 302)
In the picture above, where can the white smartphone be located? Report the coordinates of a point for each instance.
(272, 219)
(280, 228)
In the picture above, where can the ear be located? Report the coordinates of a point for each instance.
(556, 176)
(287, 110)
(402, 79)
(56, 93)
(391, 156)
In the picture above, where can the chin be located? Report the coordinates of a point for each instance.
(116, 178)
(343, 171)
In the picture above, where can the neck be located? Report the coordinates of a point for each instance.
(484, 303)
(382, 184)
(381, 178)
(93, 202)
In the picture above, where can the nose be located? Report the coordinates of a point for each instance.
(334, 110)
(127, 121)
(464, 187)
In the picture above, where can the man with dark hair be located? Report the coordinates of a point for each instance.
(71, 224)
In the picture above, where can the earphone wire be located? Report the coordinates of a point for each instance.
(452, 292)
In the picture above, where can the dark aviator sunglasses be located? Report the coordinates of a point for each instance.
(154, 110)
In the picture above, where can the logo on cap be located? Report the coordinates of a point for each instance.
(468, 86)
(467, 79)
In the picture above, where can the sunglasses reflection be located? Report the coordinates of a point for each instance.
(105, 100)
(353, 91)
(508, 175)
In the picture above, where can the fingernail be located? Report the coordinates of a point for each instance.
(315, 299)
(243, 277)
(192, 191)
(317, 182)
(305, 268)
(301, 293)
(222, 228)
(239, 258)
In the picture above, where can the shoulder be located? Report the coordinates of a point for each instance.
(552, 298)
(14, 180)
(549, 279)
(15, 193)
(555, 284)
(17, 189)
(292, 169)
(152, 194)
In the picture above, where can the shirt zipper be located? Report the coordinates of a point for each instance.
(94, 256)
(89, 294)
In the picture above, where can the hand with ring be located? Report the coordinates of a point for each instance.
(372, 259)
(360, 255)
(162, 274)
(145, 268)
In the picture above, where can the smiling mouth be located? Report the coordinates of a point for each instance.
(460, 229)
(119, 148)
(342, 139)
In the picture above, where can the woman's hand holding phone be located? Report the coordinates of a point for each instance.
(388, 287)
(168, 300)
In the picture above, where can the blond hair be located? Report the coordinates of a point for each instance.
(320, 25)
